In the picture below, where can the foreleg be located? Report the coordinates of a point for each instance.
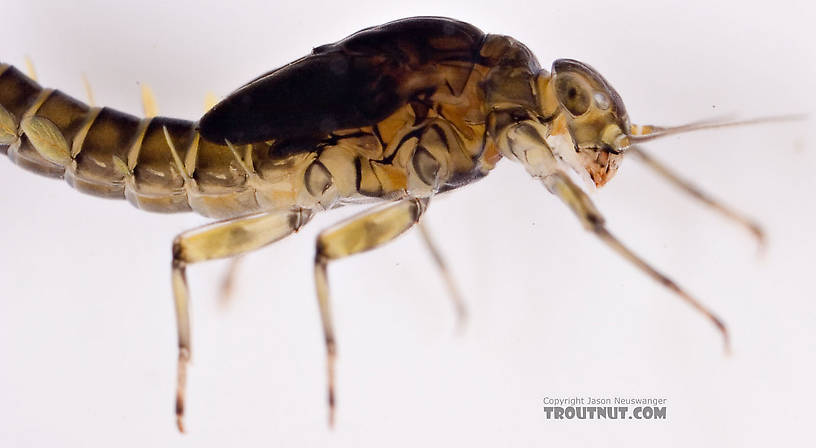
(575, 198)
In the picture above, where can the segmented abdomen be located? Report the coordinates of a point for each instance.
(116, 155)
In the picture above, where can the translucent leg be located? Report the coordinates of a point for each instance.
(686, 186)
(575, 198)
(219, 240)
(453, 290)
(228, 281)
(362, 232)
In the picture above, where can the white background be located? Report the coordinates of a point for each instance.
(87, 336)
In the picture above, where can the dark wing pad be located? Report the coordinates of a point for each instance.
(349, 84)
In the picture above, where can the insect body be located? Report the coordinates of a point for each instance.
(395, 114)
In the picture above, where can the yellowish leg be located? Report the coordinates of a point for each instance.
(363, 232)
(453, 290)
(575, 198)
(692, 190)
(219, 240)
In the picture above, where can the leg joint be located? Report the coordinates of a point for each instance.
(320, 253)
(421, 205)
(300, 218)
(176, 247)
(594, 222)
(178, 263)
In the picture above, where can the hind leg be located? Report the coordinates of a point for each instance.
(228, 281)
(442, 266)
(219, 240)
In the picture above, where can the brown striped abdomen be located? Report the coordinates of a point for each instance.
(146, 174)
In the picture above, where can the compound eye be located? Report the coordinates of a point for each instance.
(572, 94)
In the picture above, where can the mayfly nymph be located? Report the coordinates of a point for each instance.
(394, 114)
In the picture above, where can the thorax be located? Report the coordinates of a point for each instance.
(437, 141)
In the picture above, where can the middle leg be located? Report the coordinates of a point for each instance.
(361, 233)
